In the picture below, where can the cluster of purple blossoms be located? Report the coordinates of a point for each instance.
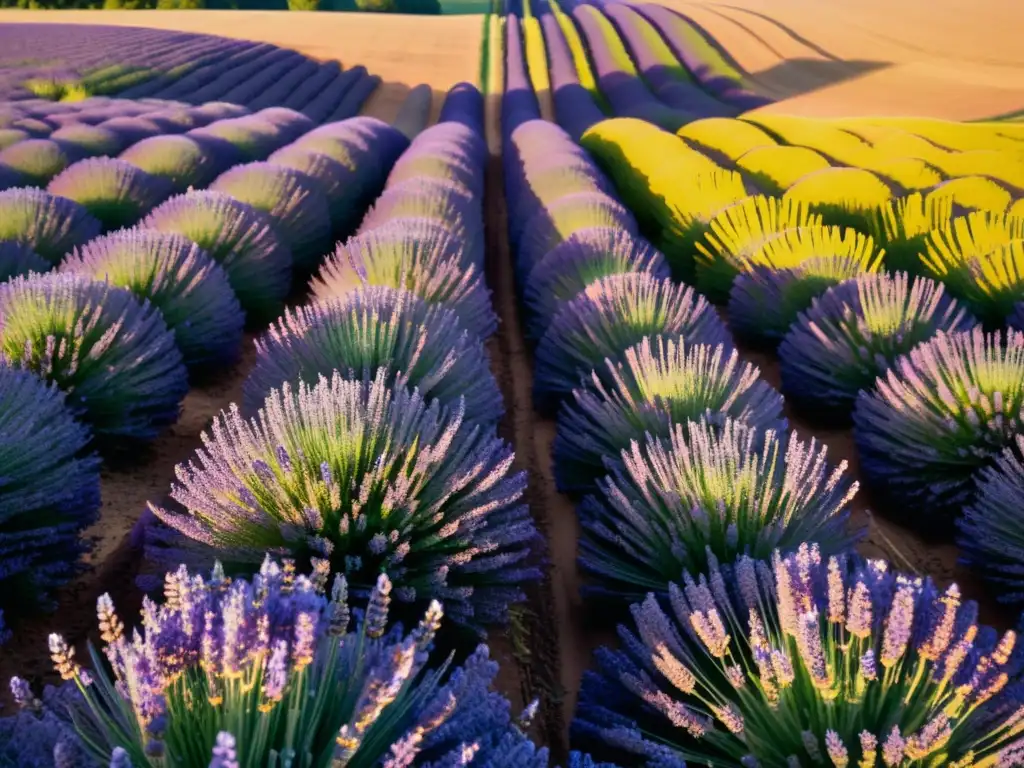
(372, 479)
(189, 288)
(709, 492)
(34, 162)
(229, 672)
(419, 346)
(113, 191)
(854, 332)
(111, 354)
(660, 383)
(802, 661)
(19, 259)
(184, 161)
(239, 238)
(49, 494)
(939, 415)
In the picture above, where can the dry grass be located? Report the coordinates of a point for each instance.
(404, 51)
(940, 58)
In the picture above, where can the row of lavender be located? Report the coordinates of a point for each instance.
(647, 63)
(364, 462)
(748, 645)
(141, 64)
(129, 315)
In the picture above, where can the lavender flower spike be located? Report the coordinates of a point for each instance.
(416, 492)
(258, 657)
(763, 664)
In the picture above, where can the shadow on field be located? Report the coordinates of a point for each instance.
(799, 76)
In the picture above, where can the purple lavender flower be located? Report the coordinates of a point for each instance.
(115, 192)
(379, 328)
(191, 290)
(592, 332)
(254, 139)
(112, 355)
(41, 733)
(854, 332)
(709, 492)
(990, 537)
(240, 239)
(293, 202)
(417, 492)
(49, 225)
(941, 413)
(949, 693)
(219, 655)
(183, 161)
(49, 495)
(422, 256)
(661, 382)
(585, 256)
(36, 161)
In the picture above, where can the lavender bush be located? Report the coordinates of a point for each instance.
(341, 187)
(584, 257)
(371, 478)
(240, 239)
(939, 415)
(293, 202)
(709, 492)
(838, 659)
(79, 141)
(661, 382)
(381, 328)
(989, 531)
(50, 491)
(191, 290)
(113, 191)
(422, 256)
(111, 354)
(36, 161)
(608, 317)
(183, 161)
(242, 672)
(854, 332)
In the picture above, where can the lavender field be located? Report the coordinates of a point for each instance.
(604, 417)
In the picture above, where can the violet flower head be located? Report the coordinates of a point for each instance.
(709, 492)
(51, 226)
(854, 332)
(660, 382)
(781, 680)
(239, 238)
(115, 192)
(295, 204)
(941, 413)
(417, 492)
(259, 655)
(191, 290)
(380, 328)
(423, 256)
(111, 354)
(989, 532)
(594, 330)
(50, 492)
